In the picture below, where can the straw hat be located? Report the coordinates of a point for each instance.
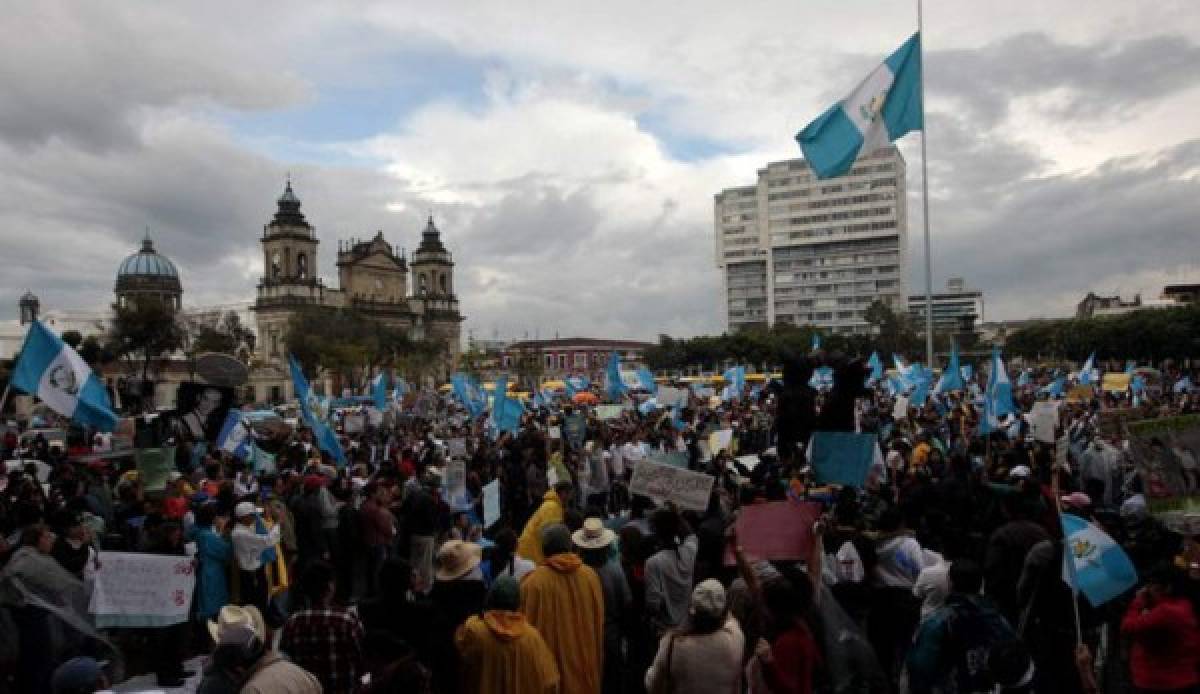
(237, 625)
(456, 559)
(593, 535)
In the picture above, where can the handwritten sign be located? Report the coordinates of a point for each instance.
(900, 410)
(842, 457)
(777, 530)
(674, 459)
(607, 412)
(671, 397)
(491, 503)
(353, 423)
(688, 490)
(554, 432)
(1079, 394)
(457, 447)
(575, 427)
(720, 440)
(142, 590)
(456, 483)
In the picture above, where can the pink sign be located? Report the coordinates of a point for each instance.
(776, 530)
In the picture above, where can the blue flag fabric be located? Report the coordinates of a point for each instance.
(842, 457)
(1087, 373)
(58, 376)
(951, 379)
(469, 394)
(1182, 385)
(235, 437)
(506, 411)
(326, 439)
(578, 382)
(999, 402)
(646, 379)
(881, 109)
(613, 385)
(1092, 563)
(876, 365)
(379, 391)
(822, 378)
(568, 388)
(735, 382)
(816, 342)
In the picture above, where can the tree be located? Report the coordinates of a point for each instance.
(141, 333)
(95, 353)
(893, 332)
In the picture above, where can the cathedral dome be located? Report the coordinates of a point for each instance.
(148, 272)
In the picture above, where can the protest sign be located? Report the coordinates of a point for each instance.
(374, 417)
(457, 447)
(607, 412)
(1043, 419)
(154, 465)
(456, 484)
(491, 503)
(900, 409)
(575, 427)
(554, 432)
(776, 531)
(720, 440)
(842, 457)
(1078, 394)
(1159, 448)
(674, 459)
(133, 589)
(353, 423)
(551, 475)
(688, 490)
(1115, 382)
(671, 397)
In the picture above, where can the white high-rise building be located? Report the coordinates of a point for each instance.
(795, 249)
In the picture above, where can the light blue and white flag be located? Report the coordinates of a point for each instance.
(968, 373)
(1092, 563)
(1056, 388)
(578, 382)
(998, 403)
(613, 385)
(569, 388)
(506, 411)
(1025, 379)
(399, 391)
(236, 437)
(735, 382)
(1087, 374)
(899, 363)
(822, 378)
(881, 109)
(326, 438)
(1182, 385)
(58, 376)
(951, 379)
(1130, 365)
(379, 391)
(876, 365)
(816, 342)
(469, 394)
(646, 379)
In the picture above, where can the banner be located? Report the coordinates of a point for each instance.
(1159, 448)
(1115, 382)
(1080, 394)
(491, 503)
(1043, 419)
(720, 440)
(777, 530)
(842, 457)
(688, 490)
(142, 590)
(674, 459)
(353, 423)
(456, 484)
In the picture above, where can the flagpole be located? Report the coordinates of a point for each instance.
(925, 195)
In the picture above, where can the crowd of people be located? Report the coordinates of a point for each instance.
(941, 573)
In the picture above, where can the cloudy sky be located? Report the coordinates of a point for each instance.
(570, 151)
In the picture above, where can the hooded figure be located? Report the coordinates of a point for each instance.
(549, 513)
(500, 652)
(564, 601)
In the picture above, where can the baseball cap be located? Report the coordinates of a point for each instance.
(1020, 471)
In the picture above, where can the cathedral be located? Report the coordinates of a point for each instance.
(373, 280)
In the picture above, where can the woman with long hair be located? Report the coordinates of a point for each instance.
(504, 560)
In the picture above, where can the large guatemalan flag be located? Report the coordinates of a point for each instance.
(881, 109)
(1092, 563)
(55, 373)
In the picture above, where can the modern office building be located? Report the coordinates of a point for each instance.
(950, 307)
(795, 249)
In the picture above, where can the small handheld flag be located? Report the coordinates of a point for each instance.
(56, 374)
(614, 386)
(379, 391)
(326, 439)
(1092, 563)
(881, 109)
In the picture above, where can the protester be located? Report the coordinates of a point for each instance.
(1165, 639)
(704, 655)
(564, 601)
(500, 652)
(249, 546)
(321, 638)
(550, 512)
(594, 543)
(669, 571)
(80, 675)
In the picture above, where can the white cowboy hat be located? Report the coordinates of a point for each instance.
(593, 535)
(237, 625)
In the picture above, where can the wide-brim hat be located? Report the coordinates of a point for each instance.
(243, 509)
(593, 535)
(456, 559)
(237, 625)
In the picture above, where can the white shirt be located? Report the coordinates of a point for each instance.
(248, 545)
(617, 462)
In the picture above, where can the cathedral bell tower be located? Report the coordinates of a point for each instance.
(289, 278)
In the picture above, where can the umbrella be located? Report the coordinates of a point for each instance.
(585, 398)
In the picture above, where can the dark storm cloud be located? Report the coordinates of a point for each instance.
(1049, 239)
(87, 72)
(1098, 80)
